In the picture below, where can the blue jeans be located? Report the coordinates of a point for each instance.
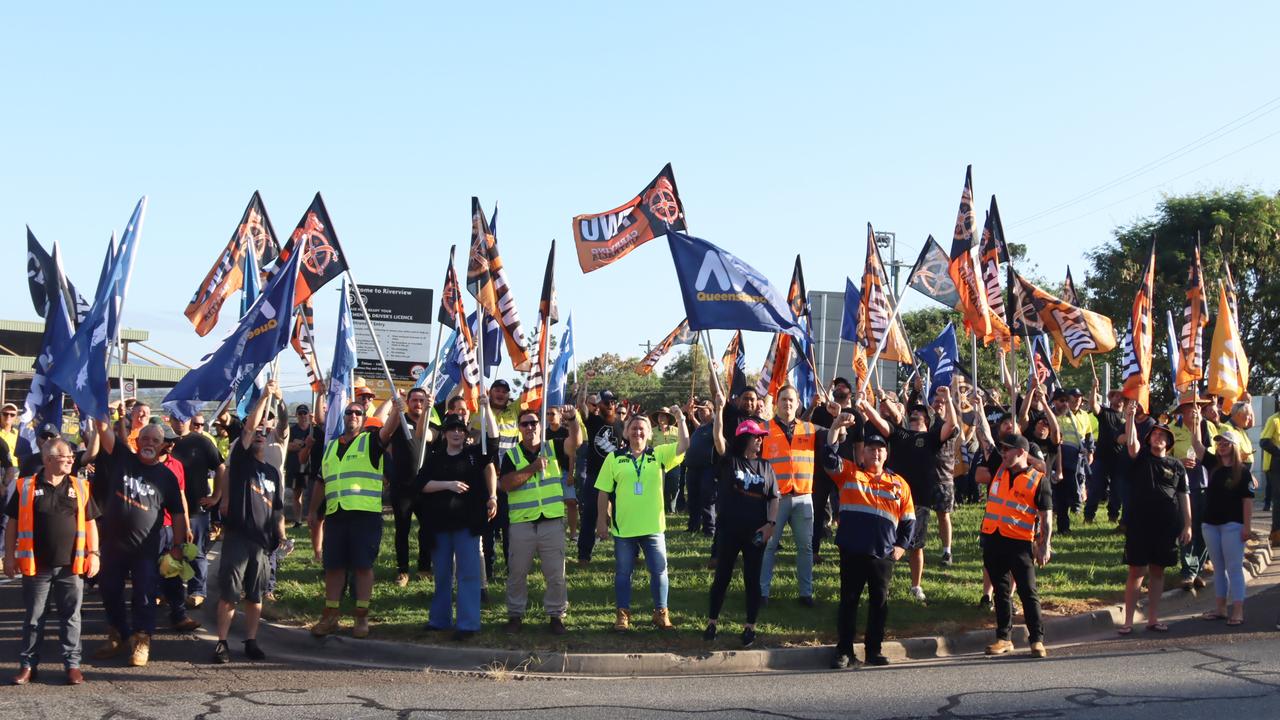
(624, 560)
(1226, 550)
(462, 548)
(797, 511)
(140, 566)
(199, 522)
(68, 590)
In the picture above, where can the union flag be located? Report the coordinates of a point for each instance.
(487, 282)
(322, 257)
(1136, 373)
(973, 298)
(226, 277)
(1195, 317)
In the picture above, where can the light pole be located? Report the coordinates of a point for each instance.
(890, 240)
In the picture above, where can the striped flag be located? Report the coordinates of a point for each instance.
(734, 362)
(1195, 317)
(877, 310)
(535, 385)
(487, 282)
(992, 252)
(1136, 373)
(227, 274)
(304, 343)
(973, 298)
(682, 335)
(776, 363)
(1076, 332)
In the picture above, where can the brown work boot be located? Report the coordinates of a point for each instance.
(112, 647)
(361, 628)
(623, 623)
(327, 623)
(1000, 647)
(662, 620)
(186, 624)
(402, 580)
(1037, 650)
(140, 645)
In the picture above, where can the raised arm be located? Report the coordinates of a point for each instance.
(717, 423)
(950, 417)
(1197, 443)
(253, 420)
(872, 416)
(392, 423)
(1131, 443)
(682, 429)
(574, 439)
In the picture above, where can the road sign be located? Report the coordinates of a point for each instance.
(402, 318)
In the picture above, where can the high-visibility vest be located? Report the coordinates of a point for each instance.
(792, 461)
(886, 495)
(26, 549)
(543, 495)
(352, 482)
(1011, 507)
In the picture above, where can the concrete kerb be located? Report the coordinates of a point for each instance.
(298, 644)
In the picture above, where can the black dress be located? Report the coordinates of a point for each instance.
(1153, 518)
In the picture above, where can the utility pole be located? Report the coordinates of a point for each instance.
(889, 240)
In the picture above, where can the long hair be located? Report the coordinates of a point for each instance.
(1237, 468)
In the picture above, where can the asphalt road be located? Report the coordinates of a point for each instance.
(1199, 669)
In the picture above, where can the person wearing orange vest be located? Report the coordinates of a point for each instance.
(877, 519)
(1016, 499)
(52, 540)
(790, 447)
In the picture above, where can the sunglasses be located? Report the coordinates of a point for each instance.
(529, 424)
(354, 412)
(8, 413)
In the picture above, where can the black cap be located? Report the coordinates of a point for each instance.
(1014, 441)
(1060, 394)
(1075, 392)
(500, 383)
(841, 381)
(50, 430)
(302, 408)
(608, 396)
(874, 438)
(169, 434)
(451, 421)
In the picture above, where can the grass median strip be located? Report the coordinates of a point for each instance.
(1085, 572)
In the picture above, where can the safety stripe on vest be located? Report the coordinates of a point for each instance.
(871, 511)
(870, 490)
(534, 503)
(356, 474)
(350, 493)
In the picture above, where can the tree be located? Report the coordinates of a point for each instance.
(1241, 226)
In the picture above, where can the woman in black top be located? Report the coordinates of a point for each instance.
(462, 497)
(1158, 517)
(746, 508)
(1225, 523)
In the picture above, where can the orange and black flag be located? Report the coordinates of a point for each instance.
(487, 282)
(1076, 332)
(1195, 317)
(304, 342)
(227, 274)
(992, 252)
(876, 312)
(607, 237)
(973, 298)
(1228, 370)
(798, 299)
(682, 335)
(535, 386)
(777, 366)
(451, 309)
(1229, 286)
(1069, 293)
(322, 257)
(1136, 373)
(735, 366)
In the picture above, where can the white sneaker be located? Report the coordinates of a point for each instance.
(917, 592)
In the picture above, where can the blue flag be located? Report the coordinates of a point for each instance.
(492, 340)
(344, 362)
(441, 378)
(80, 366)
(558, 376)
(942, 356)
(852, 301)
(247, 394)
(802, 377)
(44, 400)
(722, 292)
(258, 338)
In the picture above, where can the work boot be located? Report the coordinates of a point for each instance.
(186, 624)
(195, 601)
(327, 623)
(402, 579)
(557, 626)
(623, 622)
(112, 647)
(513, 625)
(140, 644)
(1275, 538)
(662, 620)
(361, 628)
(1000, 647)
(1037, 650)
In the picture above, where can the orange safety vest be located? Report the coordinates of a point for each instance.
(26, 550)
(1011, 505)
(886, 495)
(792, 461)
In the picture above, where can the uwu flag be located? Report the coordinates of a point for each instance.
(608, 236)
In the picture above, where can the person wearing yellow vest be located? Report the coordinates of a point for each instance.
(350, 509)
(1270, 440)
(52, 540)
(790, 447)
(631, 505)
(532, 476)
(1017, 498)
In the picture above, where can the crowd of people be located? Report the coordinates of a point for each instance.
(143, 501)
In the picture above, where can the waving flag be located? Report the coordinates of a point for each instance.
(682, 335)
(852, 304)
(1171, 344)
(227, 275)
(1042, 365)
(735, 366)
(80, 366)
(344, 363)
(535, 386)
(1230, 287)
(1024, 319)
(1136, 373)
(973, 298)
(992, 252)
(606, 237)
(322, 256)
(487, 282)
(1075, 331)
(776, 364)
(44, 399)
(492, 340)
(247, 393)
(463, 367)
(722, 292)
(1195, 317)
(943, 357)
(931, 277)
(451, 297)
(46, 279)
(1228, 365)
(303, 341)
(877, 310)
(558, 378)
(1069, 293)
(256, 341)
(806, 380)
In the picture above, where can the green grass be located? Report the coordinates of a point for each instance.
(1085, 572)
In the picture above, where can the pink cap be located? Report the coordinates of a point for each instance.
(750, 427)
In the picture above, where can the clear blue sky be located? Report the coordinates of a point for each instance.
(789, 129)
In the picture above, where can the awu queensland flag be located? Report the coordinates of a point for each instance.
(262, 333)
(942, 356)
(723, 293)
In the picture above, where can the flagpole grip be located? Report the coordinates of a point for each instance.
(377, 346)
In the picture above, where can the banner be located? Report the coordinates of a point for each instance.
(1136, 373)
(721, 292)
(322, 256)
(606, 237)
(681, 335)
(487, 282)
(1195, 317)
(973, 298)
(1076, 331)
(227, 276)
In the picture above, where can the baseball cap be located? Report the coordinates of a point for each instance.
(452, 421)
(9, 407)
(608, 396)
(1014, 441)
(500, 383)
(50, 430)
(841, 381)
(1075, 392)
(302, 408)
(1227, 434)
(749, 427)
(874, 438)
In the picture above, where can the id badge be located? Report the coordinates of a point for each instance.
(639, 488)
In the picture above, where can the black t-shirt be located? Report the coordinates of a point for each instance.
(1048, 452)
(448, 511)
(401, 459)
(255, 500)
(199, 458)
(993, 459)
(136, 496)
(1154, 484)
(1222, 503)
(293, 465)
(53, 521)
(1110, 433)
(913, 455)
(745, 489)
(602, 439)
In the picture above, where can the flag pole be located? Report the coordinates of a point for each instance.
(715, 379)
(377, 346)
(482, 316)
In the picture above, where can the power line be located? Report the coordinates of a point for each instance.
(1212, 136)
